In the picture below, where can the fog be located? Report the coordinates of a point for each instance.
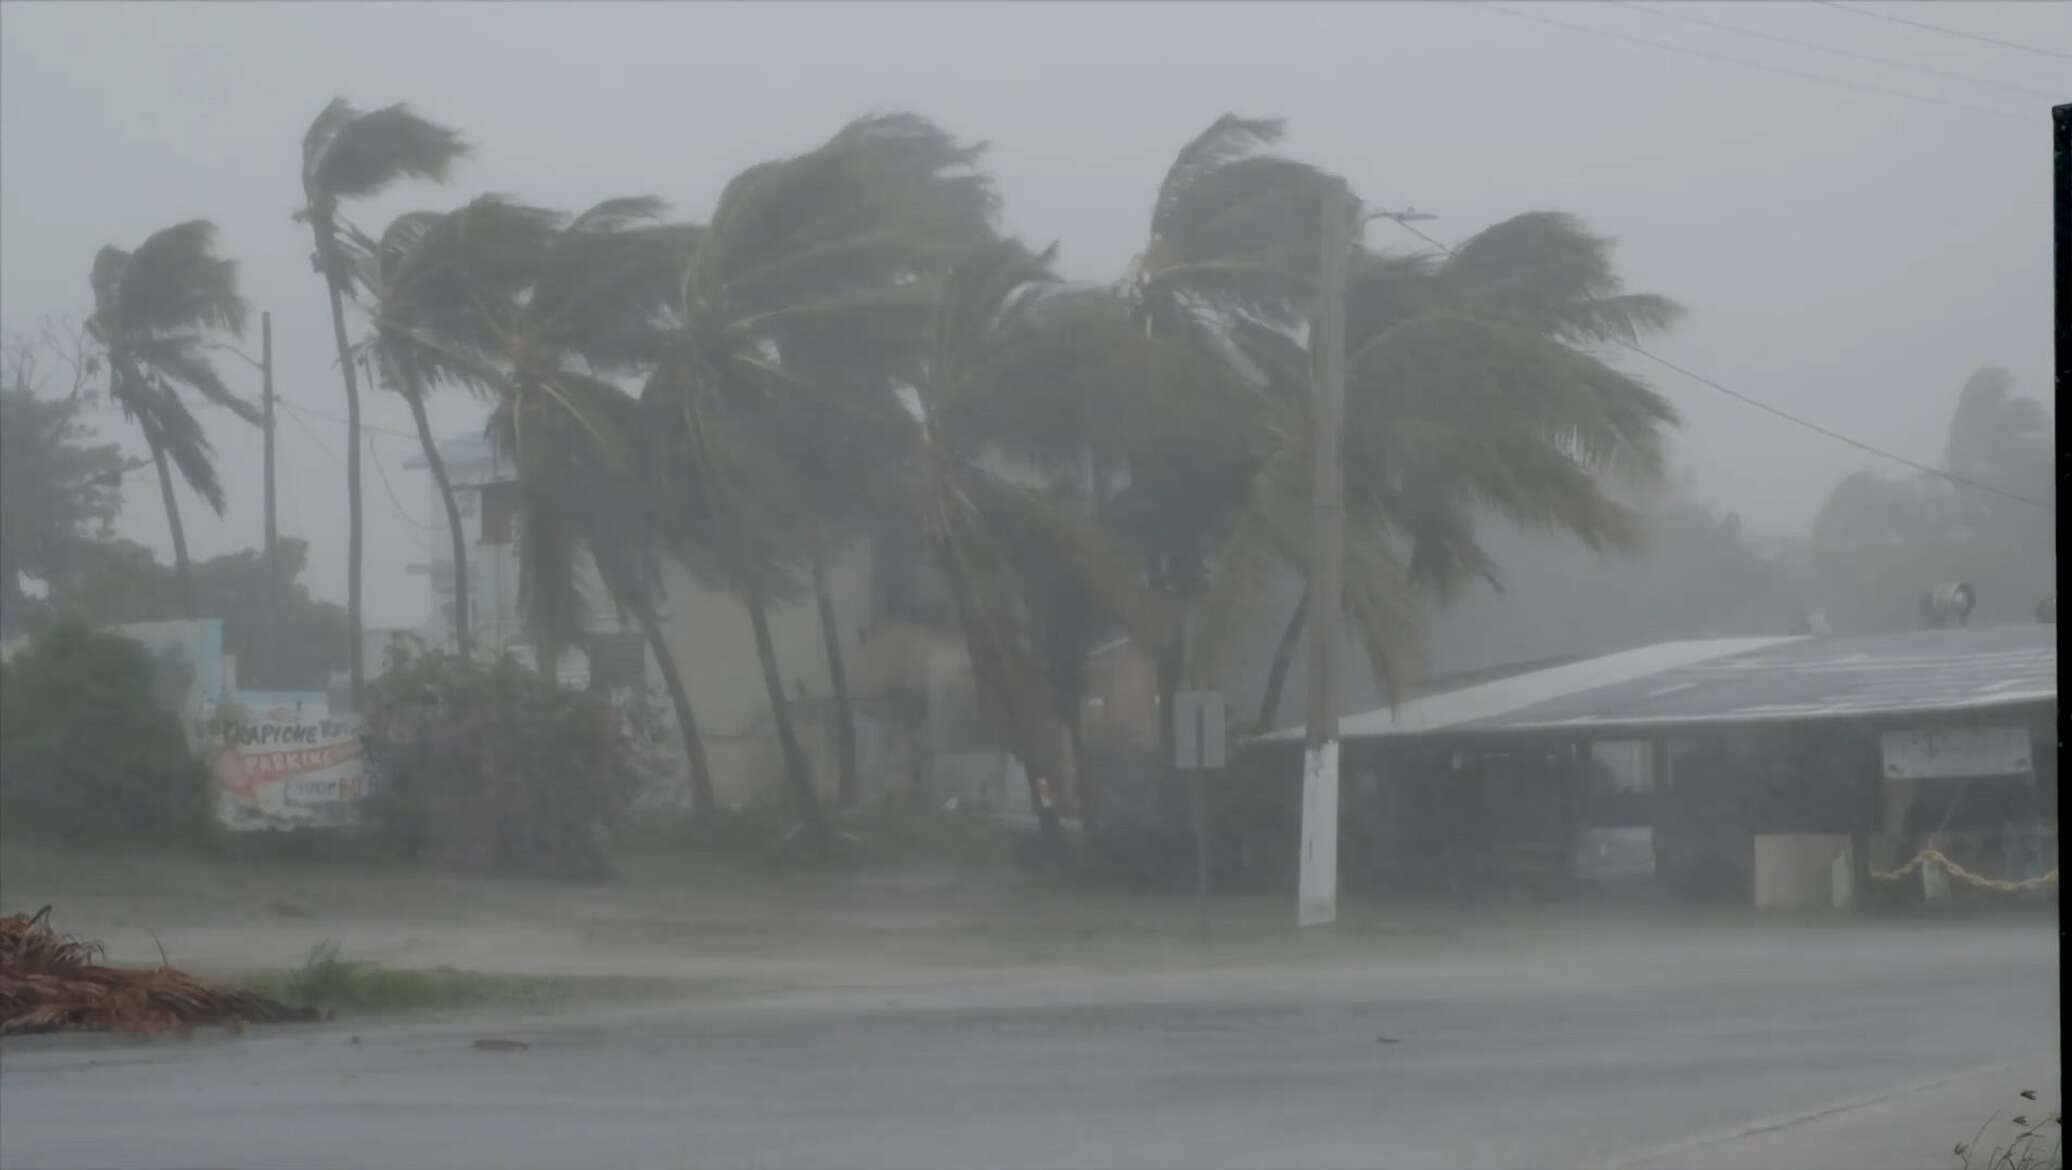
(1846, 252)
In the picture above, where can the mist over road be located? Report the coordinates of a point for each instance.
(1571, 1052)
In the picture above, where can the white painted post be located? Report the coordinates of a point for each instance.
(1318, 899)
(1935, 882)
(1842, 876)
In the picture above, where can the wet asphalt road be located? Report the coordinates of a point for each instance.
(1567, 1055)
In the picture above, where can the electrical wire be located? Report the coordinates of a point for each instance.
(395, 503)
(394, 500)
(366, 427)
(1702, 380)
(1816, 78)
(1673, 13)
(1948, 32)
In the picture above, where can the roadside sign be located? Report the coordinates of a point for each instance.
(1198, 730)
(1957, 753)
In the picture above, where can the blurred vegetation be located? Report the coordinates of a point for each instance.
(1878, 543)
(114, 582)
(327, 982)
(87, 750)
(492, 767)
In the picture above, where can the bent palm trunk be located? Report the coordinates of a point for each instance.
(838, 679)
(1086, 789)
(991, 672)
(333, 266)
(463, 640)
(1283, 658)
(172, 520)
(798, 773)
(703, 800)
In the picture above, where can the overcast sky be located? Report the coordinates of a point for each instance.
(1845, 253)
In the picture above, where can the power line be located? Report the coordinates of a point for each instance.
(1802, 75)
(394, 500)
(366, 427)
(295, 416)
(1938, 472)
(1965, 481)
(1948, 32)
(1929, 70)
(395, 504)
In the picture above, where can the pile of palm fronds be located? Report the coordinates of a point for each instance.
(52, 983)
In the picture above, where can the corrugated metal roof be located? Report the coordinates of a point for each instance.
(1921, 671)
(1747, 680)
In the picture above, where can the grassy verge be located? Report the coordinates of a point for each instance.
(333, 984)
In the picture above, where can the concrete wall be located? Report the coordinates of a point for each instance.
(708, 632)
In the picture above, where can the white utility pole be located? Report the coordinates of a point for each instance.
(1317, 897)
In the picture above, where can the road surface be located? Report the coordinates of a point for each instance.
(1566, 1053)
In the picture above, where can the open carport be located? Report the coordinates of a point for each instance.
(1792, 771)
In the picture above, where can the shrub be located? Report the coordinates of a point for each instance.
(86, 752)
(491, 767)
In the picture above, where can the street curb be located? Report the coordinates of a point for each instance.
(1665, 1154)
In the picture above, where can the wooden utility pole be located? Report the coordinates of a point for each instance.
(1317, 896)
(273, 563)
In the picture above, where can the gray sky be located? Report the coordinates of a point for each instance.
(1847, 255)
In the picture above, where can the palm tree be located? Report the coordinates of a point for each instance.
(827, 244)
(1233, 240)
(350, 154)
(840, 456)
(156, 311)
(425, 279)
(579, 303)
(1026, 572)
(1471, 389)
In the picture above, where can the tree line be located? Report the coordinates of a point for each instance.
(847, 345)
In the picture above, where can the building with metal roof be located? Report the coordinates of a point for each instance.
(1744, 680)
(1790, 770)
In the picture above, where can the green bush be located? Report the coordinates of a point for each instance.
(86, 751)
(493, 768)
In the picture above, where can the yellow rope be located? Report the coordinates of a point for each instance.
(1965, 875)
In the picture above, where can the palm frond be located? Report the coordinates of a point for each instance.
(883, 200)
(1379, 603)
(175, 281)
(181, 358)
(1237, 592)
(1227, 139)
(1057, 381)
(166, 419)
(352, 155)
(1042, 532)
(106, 281)
(1545, 270)
(1446, 366)
(619, 214)
(336, 113)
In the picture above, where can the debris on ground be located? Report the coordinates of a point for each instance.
(55, 983)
